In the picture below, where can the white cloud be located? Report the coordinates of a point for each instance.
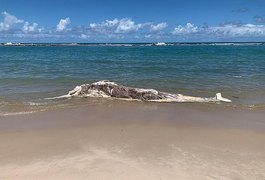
(9, 22)
(62, 26)
(188, 29)
(27, 28)
(231, 30)
(222, 31)
(127, 26)
(126, 29)
(118, 26)
(84, 36)
(148, 36)
(158, 27)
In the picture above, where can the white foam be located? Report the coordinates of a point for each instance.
(16, 113)
(237, 76)
(160, 44)
(36, 103)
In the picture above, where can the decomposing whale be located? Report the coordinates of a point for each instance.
(108, 89)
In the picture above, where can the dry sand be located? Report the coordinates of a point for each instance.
(129, 141)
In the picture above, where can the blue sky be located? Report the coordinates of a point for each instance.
(131, 20)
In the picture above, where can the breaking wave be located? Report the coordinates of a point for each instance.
(16, 113)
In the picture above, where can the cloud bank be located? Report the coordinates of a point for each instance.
(116, 26)
(125, 29)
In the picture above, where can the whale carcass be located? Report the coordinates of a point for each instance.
(112, 90)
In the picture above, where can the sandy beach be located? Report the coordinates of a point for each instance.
(132, 90)
(134, 140)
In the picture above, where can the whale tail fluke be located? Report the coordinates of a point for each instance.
(219, 97)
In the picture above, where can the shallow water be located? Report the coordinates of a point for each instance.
(30, 74)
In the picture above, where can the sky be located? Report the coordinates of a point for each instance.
(92, 21)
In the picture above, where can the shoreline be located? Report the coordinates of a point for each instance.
(50, 104)
(125, 140)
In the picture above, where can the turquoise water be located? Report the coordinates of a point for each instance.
(30, 74)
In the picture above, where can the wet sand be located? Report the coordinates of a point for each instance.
(133, 140)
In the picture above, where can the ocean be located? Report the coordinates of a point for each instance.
(30, 74)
